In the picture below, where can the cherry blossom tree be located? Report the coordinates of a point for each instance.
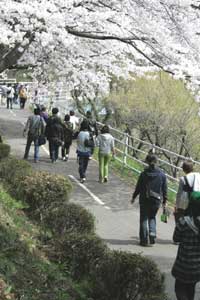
(90, 40)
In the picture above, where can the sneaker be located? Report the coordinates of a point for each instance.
(83, 180)
(105, 179)
(152, 240)
(64, 158)
(143, 243)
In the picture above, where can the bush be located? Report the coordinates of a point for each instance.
(13, 171)
(4, 150)
(69, 217)
(43, 190)
(127, 276)
(79, 252)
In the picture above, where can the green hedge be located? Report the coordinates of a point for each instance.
(69, 217)
(13, 171)
(78, 252)
(43, 191)
(4, 150)
(122, 275)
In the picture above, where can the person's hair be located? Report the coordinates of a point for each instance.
(187, 166)
(84, 125)
(105, 129)
(71, 113)
(43, 108)
(55, 110)
(88, 113)
(67, 118)
(36, 111)
(151, 159)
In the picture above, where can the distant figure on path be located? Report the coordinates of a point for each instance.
(75, 122)
(186, 269)
(152, 190)
(83, 152)
(54, 134)
(68, 133)
(35, 127)
(44, 113)
(182, 200)
(10, 96)
(105, 143)
(22, 96)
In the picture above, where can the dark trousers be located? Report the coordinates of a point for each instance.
(184, 291)
(53, 150)
(147, 222)
(83, 163)
(22, 103)
(9, 102)
(65, 149)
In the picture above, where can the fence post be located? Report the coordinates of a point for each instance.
(125, 149)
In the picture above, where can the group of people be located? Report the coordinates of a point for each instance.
(60, 134)
(152, 190)
(151, 186)
(14, 94)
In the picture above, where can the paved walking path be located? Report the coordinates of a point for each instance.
(116, 219)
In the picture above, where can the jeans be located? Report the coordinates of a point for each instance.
(54, 152)
(9, 102)
(30, 139)
(147, 222)
(184, 291)
(103, 165)
(83, 163)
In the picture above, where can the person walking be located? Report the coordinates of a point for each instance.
(83, 151)
(186, 268)
(35, 127)
(44, 113)
(54, 133)
(152, 190)
(105, 143)
(10, 96)
(22, 96)
(68, 134)
(192, 179)
(75, 123)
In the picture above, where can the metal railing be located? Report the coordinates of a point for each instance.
(124, 148)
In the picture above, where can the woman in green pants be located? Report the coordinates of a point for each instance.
(105, 143)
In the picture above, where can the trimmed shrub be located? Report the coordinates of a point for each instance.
(13, 171)
(127, 276)
(4, 150)
(78, 252)
(42, 191)
(69, 217)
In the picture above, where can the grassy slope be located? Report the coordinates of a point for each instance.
(28, 274)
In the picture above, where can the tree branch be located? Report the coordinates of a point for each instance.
(12, 56)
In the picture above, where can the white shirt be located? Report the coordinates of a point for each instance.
(75, 121)
(182, 199)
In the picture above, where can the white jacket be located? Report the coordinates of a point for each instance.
(182, 199)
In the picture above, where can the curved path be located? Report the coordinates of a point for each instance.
(116, 219)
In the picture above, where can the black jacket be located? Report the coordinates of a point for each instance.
(54, 128)
(152, 181)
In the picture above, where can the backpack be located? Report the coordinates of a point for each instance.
(89, 143)
(194, 196)
(8, 91)
(22, 93)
